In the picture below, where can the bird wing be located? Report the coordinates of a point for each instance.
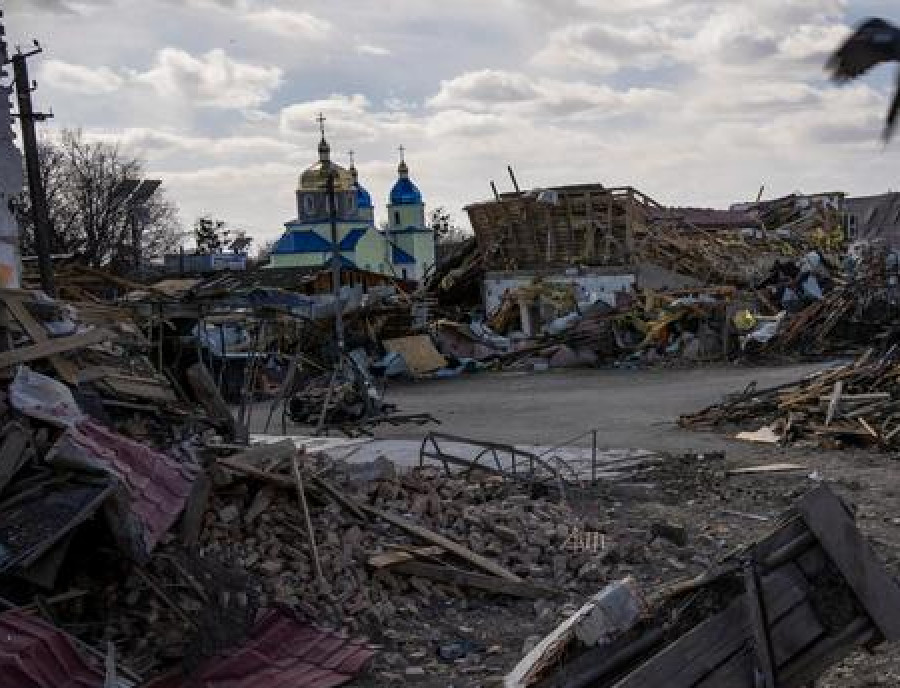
(874, 42)
(893, 113)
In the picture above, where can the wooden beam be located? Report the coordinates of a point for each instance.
(207, 393)
(257, 473)
(436, 539)
(446, 574)
(54, 346)
(875, 588)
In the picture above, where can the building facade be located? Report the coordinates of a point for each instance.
(405, 249)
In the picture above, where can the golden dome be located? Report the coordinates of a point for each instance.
(315, 177)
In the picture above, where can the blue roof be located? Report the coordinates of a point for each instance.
(363, 199)
(351, 239)
(400, 257)
(305, 241)
(405, 193)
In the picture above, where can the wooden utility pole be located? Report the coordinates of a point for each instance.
(335, 264)
(27, 117)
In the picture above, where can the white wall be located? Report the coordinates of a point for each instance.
(588, 287)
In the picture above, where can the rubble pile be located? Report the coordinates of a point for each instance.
(857, 404)
(776, 612)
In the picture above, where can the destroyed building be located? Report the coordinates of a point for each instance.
(874, 218)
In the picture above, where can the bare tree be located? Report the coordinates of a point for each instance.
(88, 212)
(444, 226)
(211, 235)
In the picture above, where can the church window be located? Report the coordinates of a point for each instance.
(396, 217)
(309, 204)
(404, 273)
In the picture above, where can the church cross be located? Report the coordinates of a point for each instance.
(321, 120)
(402, 150)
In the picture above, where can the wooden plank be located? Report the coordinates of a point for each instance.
(140, 389)
(195, 509)
(795, 632)
(704, 649)
(529, 669)
(339, 497)
(257, 473)
(830, 650)
(736, 672)
(767, 468)
(835, 400)
(418, 352)
(385, 559)
(436, 539)
(762, 644)
(875, 588)
(207, 394)
(54, 346)
(446, 574)
(67, 370)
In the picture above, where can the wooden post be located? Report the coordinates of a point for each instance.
(314, 550)
(206, 392)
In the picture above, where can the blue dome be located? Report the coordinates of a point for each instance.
(363, 199)
(405, 193)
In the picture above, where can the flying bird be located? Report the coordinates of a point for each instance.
(874, 42)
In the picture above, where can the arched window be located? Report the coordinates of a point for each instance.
(396, 217)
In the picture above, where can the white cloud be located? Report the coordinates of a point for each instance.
(160, 142)
(75, 78)
(692, 101)
(606, 47)
(296, 25)
(516, 92)
(213, 79)
(484, 88)
(345, 117)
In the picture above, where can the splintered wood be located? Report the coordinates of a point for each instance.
(856, 404)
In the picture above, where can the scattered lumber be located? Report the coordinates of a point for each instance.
(857, 404)
(448, 544)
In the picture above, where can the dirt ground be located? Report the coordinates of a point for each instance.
(637, 409)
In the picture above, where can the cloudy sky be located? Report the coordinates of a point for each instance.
(695, 102)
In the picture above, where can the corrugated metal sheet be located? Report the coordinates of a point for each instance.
(281, 653)
(153, 485)
(34, 654)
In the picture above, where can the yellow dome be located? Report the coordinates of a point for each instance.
(315, 177)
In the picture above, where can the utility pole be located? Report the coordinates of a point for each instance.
(27, 116)
(335, 263)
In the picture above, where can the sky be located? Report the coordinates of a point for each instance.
(694, 102)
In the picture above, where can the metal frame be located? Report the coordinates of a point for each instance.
(519, 466)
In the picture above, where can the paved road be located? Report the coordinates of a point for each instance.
(633, 409)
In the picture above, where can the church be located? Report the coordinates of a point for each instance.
(404, 249)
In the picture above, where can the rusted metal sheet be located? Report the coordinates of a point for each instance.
(34, 654)
(152, 487)
(280, 652)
